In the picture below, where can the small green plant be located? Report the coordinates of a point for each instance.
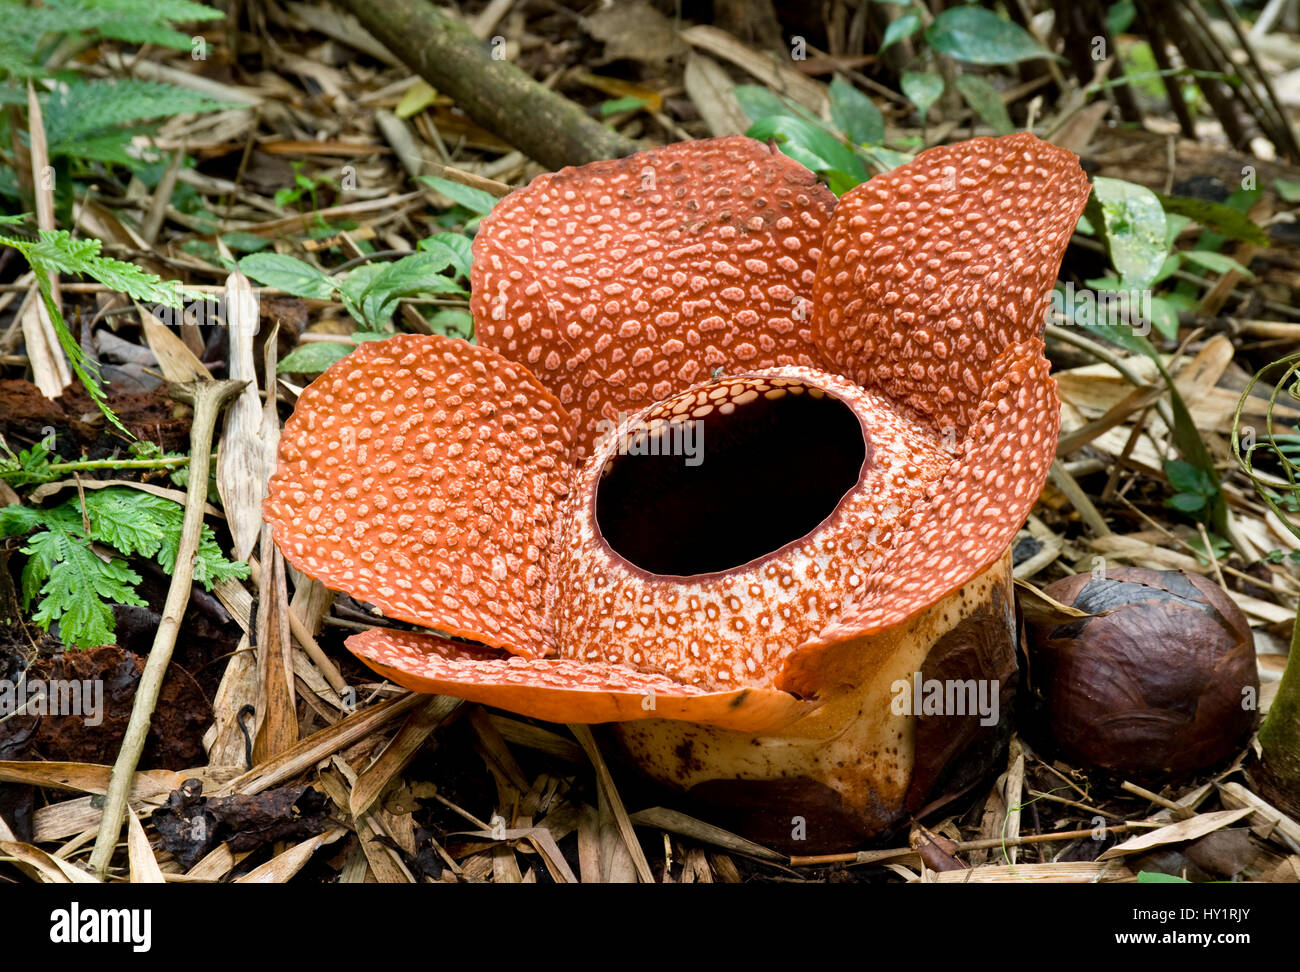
(1195, 490)
(965, 33)
(302, 185)
(27, 467)
(843, 157)
(370, 292)
(1140, 228)
(75, 584)
(31, 467)
(33, 30)
(970, 35)
(615, 105)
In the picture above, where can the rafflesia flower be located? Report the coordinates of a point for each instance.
(731, 465)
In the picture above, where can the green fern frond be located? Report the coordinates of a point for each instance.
(56, 251)
(95, 13)
(83, 109)
(32, 29)
(77, 588)
(28, 23)
(133, 522)
(136, 33)
(114, 148)
(27, 466)
(18, 57)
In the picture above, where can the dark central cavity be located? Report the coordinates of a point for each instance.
(750, 482)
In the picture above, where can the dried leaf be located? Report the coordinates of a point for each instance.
(1189, 829)
(709, 86)
(245, 459)
(280, 869)
(144, 866)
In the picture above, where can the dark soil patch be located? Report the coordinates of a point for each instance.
(78, 427)
(107, 678)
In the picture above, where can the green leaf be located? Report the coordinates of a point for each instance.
(76, 588)
(57, 251)
(1155, 877)
(985, 102)
(855, 114)
(922, 90)
(210, 564)
(420, 273)
(1167, 269)
(28, 466)
(1215, 262)
(885, 159)
(797, 139)
(134, 524)
(757, 102)
(147, 34)
(452, 322)
(1132, 224)
(1175, 223)
(475, 200)
(286, 197)
(904, 26)
(457, 246)
(978, 36)
(291, 275)
(354, 285)
(1186, 502)
(1164, 318)
(810, 145)
(313, 357)
(1242, 200)
(615, 105)
(1120, 17)
(81, 109)
(839, 182)
(1185, 477)
(17, 520)
(1221, 219)
(1288, 190)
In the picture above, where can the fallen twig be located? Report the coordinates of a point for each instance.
(207, 398)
